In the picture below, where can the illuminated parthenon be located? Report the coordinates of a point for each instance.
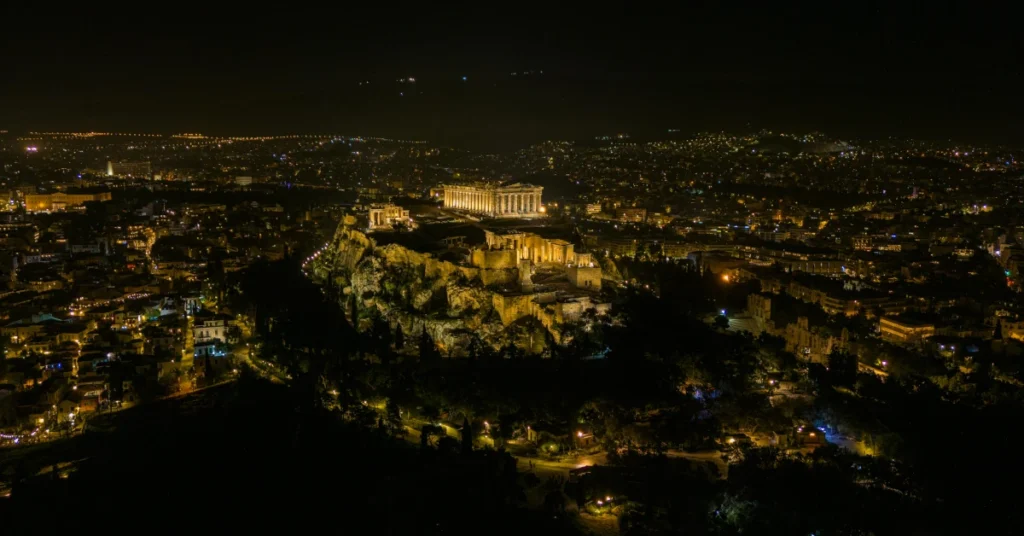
(512, 201)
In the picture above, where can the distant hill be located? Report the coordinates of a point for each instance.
(781, 144)
(556, 186)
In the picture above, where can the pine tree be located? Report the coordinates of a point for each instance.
(394, 415)
(999, 330)
(474, 348)
(467, 437)
(353, 309)
(399, 338)
(208, 370)
(428, 350)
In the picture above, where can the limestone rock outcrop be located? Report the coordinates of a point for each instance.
(452, 302)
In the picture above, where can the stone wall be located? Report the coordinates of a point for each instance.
(585, 277)
(494, 259)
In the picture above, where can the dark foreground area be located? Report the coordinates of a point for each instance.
(242, 457)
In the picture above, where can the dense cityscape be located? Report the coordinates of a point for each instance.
(710, 333)
(707, 269)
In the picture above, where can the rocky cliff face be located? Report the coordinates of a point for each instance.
(451, 302)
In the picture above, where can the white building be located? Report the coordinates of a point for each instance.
(387, 216)
(209, 327)
(512, 201)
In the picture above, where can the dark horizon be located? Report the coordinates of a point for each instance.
(871, 73)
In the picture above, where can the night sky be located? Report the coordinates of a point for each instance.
(855, 69)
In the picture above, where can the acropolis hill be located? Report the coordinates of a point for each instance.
(507, 286)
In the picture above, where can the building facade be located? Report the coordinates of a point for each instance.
(532, 246)
(895, 329)
(60, 200)
(209, 327)
(814, 343)
(512, 201)
(383, 216)
(138, 170)
(631, 215)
